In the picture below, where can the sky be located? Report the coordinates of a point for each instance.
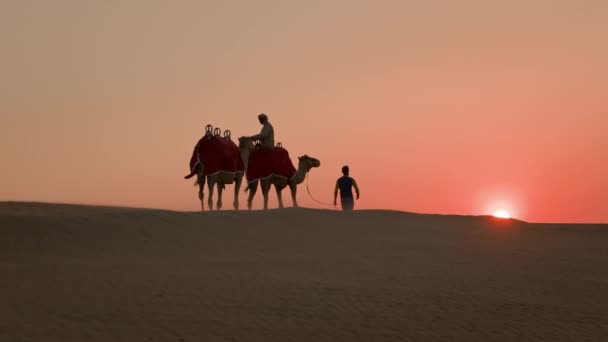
(449, 107)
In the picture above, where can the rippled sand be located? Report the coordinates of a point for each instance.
(81, 273)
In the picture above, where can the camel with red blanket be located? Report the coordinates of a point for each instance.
(217, 160)
(272, 167)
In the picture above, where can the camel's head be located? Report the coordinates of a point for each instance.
(308, 162)
(245, 143)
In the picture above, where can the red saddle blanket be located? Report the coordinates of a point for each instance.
(265, 162)
(215, 154)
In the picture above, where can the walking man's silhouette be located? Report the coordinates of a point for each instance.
(345, 184)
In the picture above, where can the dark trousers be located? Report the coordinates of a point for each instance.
(348, 203)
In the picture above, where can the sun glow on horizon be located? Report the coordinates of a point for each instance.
(502, 213)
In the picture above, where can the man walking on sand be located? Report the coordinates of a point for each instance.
(345, 185)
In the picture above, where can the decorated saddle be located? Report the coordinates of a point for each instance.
(265, 162)
(213, 154)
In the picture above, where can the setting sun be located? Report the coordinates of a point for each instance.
(501, 213)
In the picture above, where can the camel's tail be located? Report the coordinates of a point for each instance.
(246, 188)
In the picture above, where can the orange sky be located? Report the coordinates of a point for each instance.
(437, 107)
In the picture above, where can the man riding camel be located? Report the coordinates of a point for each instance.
(266, 136)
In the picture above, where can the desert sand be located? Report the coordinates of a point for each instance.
(86, 273)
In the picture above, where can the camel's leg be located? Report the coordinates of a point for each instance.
(220, 188)
(265, 185)
(293, 186)
(279, 197)
(253, 187)
(201, 195)
(237, 187)
(211, 184)
(200, 179)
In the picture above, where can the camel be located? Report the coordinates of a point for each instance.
(305, 164)
(220, 178)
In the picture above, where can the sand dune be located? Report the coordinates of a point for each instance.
(81, 273)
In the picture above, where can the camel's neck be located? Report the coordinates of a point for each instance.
(301, 173)
(245, 156)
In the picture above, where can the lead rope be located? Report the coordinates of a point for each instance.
(309, 194)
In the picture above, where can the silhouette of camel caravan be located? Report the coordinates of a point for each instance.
(217, 160)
